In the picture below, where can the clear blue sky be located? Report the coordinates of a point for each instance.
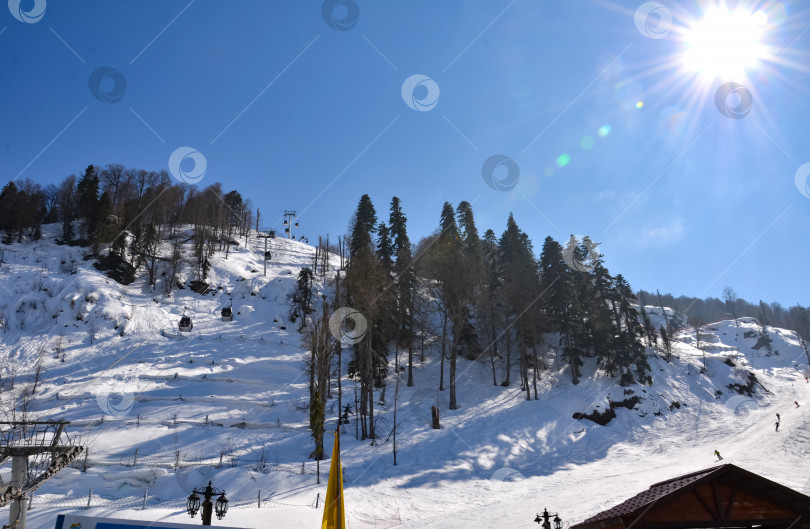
(296, 114)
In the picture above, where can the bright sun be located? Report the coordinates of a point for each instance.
(725, 43)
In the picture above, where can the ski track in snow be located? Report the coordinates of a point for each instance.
(497, 461)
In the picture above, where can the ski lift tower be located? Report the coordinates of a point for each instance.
(38, 450)
(266, 233)
(288, 216)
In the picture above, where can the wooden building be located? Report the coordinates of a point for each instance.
(720, 497)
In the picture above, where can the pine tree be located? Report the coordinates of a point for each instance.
(100, 229)
(397, 222)
(151, 243)
(317, 417)
(521, 290)
(87, 201)
(600, 320)
(365, 222)
(67, 206)
(488, 300)
(667, 342)
(469, 233)
(405, 281)
(562, 309)
(119, 245)
(649, 330)
(631, 351)
(449, 229)
(303, 295)
(10, 207)
(452, 292)
(366, 280)
(385, 249)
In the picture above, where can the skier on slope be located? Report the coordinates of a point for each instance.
(778, 418)
(777, 426)
(717, 454)
(796, 403)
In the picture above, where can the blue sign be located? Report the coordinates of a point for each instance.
(68, 521)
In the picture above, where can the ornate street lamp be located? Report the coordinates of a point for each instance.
(221, 506)
(545, 520)
(193, 504)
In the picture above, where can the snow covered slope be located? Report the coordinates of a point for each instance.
(162, 412)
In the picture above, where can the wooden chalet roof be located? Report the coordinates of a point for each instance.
(741, 490)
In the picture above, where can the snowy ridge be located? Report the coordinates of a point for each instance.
(163, 411)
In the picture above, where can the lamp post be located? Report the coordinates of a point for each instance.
(220, 506)
(545, 520)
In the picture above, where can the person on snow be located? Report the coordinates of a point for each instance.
(717, 454)
(796, 403)
(777, 426)
(778, 418)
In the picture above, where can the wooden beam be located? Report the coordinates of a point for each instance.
(797, 520)
(718, 501)
(705, 505)
(730, 506)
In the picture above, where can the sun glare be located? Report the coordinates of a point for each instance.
(725, 44)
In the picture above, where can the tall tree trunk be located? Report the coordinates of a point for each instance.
(524, 369)
(371, 413)
(572, 360)
(396, 358)
(363, 414)
(444, 342)
(493, 348)
(396, 399)
(338, 345)
(534, 371)
(410, 364)
(356, 414)
(506, 382)
(371, 384)
(453, 355)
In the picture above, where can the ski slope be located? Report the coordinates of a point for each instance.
(232, 399)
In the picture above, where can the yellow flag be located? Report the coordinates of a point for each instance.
(334, 516)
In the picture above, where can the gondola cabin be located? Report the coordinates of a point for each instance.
(268, 255)
(227, 314)
(185, 324)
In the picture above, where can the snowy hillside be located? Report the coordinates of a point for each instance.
(162, 412)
